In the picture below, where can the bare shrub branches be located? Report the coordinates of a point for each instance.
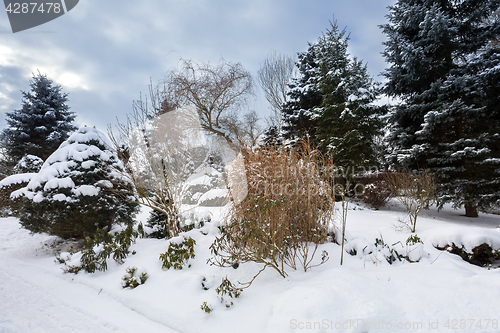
(415, 191)
(156, 143)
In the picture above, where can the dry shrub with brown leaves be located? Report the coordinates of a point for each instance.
(285, 215)
(376, 192)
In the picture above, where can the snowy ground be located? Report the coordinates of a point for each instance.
(441, 293)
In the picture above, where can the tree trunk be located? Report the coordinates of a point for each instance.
(470, 210)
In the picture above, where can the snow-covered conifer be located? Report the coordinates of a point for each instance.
(331, 102)
(447, 81)
(42, 124)
(79, 188)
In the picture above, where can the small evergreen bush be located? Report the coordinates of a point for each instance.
(78, 190)
(131, 280)
(158, 221)
(178, 255)
(99, 248)
(412, 251)
(226, 288)
(24, 170)
(482, 255)
(205, 307)
(9, 206)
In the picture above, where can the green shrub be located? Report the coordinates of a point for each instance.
(98, 249)
(226, 288)
(178, 255)
(411, 251)
(207, 308)
(482, 255)
(130, 280)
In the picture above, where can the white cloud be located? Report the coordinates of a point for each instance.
(104, 53)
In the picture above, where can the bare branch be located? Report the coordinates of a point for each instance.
(214, 91)
(274, 75)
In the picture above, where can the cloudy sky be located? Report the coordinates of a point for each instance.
(105, 52)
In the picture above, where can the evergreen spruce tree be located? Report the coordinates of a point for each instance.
(448, 120)
(41, 125)
(331, 102)
(304, 96)
(158, 221)
(79, 188)
(348, 120)
(272, 136)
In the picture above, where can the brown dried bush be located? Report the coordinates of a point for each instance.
(286, 213)
(376, 191)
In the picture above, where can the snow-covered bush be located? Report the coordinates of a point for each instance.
(133, 278)
(205, 307)
(79, 189)
(481, 255)
(99, 248)
(178, 254)
(29, 164)
(226, 288)
(8, 185)
(412, 251)
(158, 222)
(159, 226)
(206, 187)
(24, 170)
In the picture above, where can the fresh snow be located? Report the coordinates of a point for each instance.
(366, 294)
(214, 194)
(60, 168)
(87, 190)
(16, 179)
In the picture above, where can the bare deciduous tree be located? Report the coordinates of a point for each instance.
(274, 74)
(215, 91)
(245, 129)
(158, 136)
(155, 142)
(251, 127)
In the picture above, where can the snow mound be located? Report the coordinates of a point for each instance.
(214, 197)
(467, 237)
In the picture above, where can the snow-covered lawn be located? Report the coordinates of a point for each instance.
(441, 293)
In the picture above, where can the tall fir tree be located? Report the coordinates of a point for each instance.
(447, 81)
(41, 125)
(304, 96)
(331, 102)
